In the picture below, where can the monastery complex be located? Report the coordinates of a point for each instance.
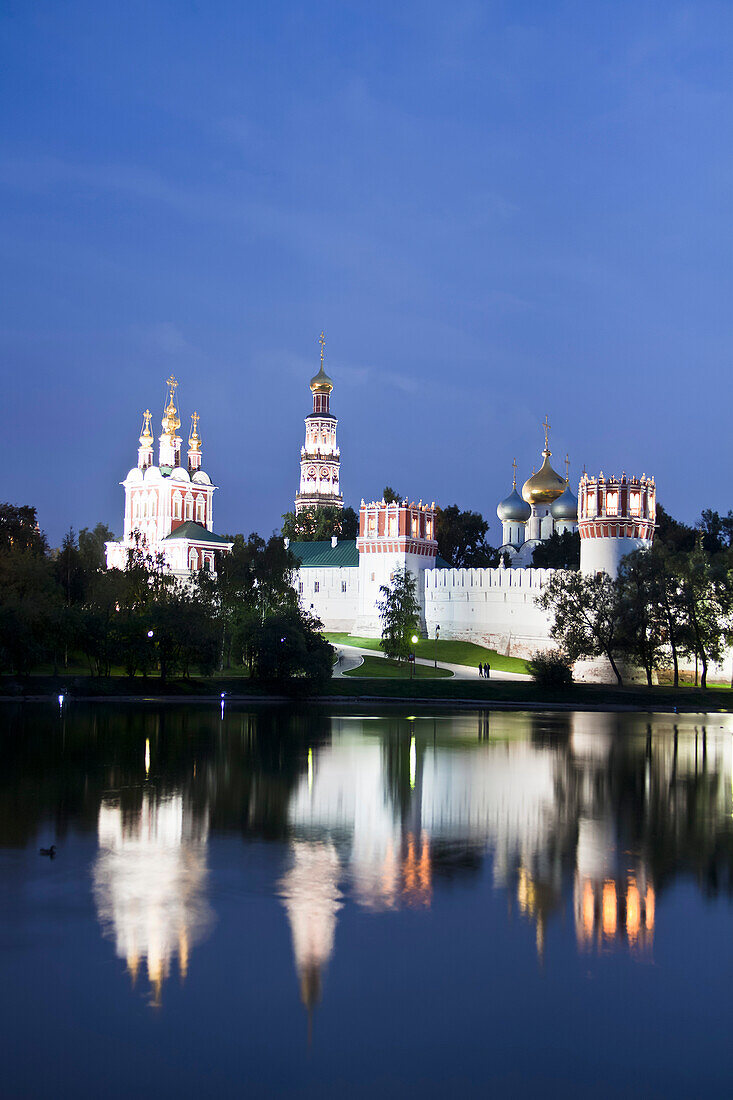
(169, 510)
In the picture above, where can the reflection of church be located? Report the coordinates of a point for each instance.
(149, 879)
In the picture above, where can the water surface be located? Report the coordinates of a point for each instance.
(324, 903)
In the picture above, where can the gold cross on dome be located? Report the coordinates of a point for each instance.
(147, 417)
(567, 467)
(172, 385)
(195, 421)
(322, 342)
(514, 481)
(546, 425)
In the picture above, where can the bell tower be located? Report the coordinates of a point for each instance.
(320, 458)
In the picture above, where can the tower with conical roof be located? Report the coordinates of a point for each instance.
(320, 458)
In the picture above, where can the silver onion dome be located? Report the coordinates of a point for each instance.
(565, 507)
(514, 509)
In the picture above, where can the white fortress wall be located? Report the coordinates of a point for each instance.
(330, 593)
(492, 607)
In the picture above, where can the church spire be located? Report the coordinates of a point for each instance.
(194, 444)
(145, 450)
(170, 441)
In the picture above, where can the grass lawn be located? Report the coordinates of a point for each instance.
(454, 653)
(378, 668)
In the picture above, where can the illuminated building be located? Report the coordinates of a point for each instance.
(320, 457)
(169, 506)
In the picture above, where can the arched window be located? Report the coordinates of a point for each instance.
(189, 506)
(176, 506)
(193, 559)
(199, 509)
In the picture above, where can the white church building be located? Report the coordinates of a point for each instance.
(169, 506)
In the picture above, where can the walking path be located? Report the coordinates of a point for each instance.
(352, 656)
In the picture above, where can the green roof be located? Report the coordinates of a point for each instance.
(196, 533)
(322, 555)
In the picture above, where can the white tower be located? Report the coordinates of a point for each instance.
(320, 458)
(392, 536)
(615, 517)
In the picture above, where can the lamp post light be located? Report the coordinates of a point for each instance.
(437, 635)
(412, 665)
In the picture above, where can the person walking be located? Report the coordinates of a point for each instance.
(487, 670)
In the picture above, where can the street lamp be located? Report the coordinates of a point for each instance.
(437, 635)
(412, 666)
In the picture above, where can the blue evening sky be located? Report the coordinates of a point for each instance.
(496, 210)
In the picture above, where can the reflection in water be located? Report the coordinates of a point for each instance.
(149, 879)
(583, 805)
(312, 898)
(587, 816)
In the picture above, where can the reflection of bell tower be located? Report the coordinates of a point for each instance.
(320, 458)
(312, 898)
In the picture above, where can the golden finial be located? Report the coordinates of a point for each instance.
(194, 440)
(514, 481)
(567, 469)
(170, 422)
(322, 342)
(546, 425)
(146, 436)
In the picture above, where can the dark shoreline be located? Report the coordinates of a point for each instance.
(445, 693)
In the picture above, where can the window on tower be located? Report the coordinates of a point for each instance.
(612, 502)
(176, 506)
(635, 502)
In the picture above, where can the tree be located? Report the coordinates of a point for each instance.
(586, 615)
(672, 534)
(400, 613)
(92, 547)
(19, 529)
(558, 551)
(320, 524)
(389, 496)
(667, 566)
(706, 600)
(461, 538)
(717, 531)
(644, 621)
(253, 581)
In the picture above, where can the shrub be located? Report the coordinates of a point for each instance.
(551, 669)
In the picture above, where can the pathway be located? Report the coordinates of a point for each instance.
(352, 656)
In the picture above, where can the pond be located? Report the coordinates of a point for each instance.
(268, 901)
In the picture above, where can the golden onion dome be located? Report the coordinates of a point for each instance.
(321, 383)
(544, 486)
(170, 422)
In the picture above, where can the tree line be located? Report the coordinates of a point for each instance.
(59, 609)
(671, 603)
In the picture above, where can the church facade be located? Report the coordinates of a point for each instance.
(169, 505)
